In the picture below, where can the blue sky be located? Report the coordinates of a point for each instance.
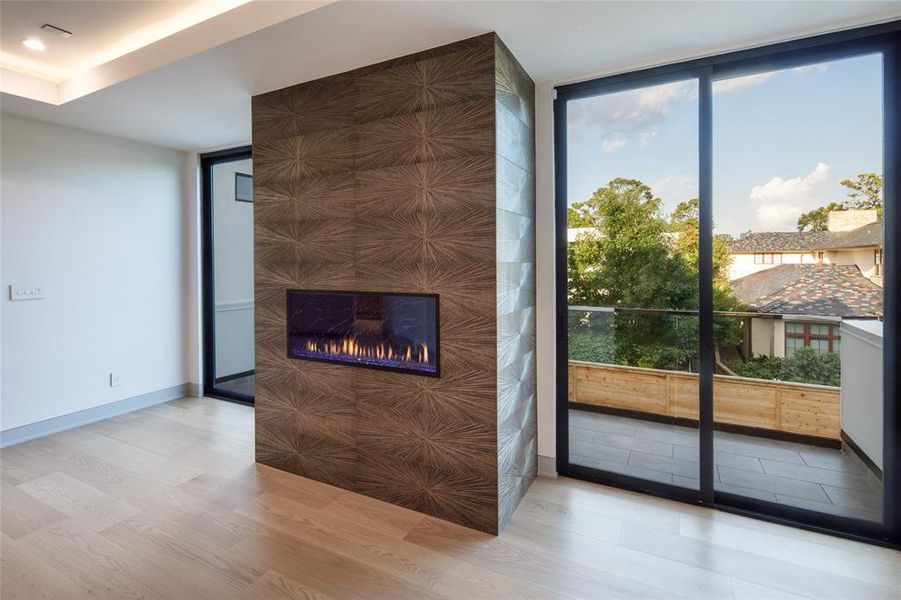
(782, 141)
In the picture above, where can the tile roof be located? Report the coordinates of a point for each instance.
(806, 241)
(825, 290)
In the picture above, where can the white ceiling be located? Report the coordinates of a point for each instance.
(203, 101)
(102, 30)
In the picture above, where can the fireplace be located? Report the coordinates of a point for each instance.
(396, 332)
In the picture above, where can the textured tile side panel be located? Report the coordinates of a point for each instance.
(515, 253)
(384, 179)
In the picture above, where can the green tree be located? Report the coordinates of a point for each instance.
(818, 218)
(635, 257)
(865, 193)
(626, 261)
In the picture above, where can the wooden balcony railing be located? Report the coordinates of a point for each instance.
(797, 408)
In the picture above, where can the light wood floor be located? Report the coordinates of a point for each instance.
(167, 503)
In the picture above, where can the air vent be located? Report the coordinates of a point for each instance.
(57, 31)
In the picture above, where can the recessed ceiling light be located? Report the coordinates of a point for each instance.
(33, 44)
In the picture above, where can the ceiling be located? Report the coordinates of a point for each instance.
(196, 96)
(103, 30)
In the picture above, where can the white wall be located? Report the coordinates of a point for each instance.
(103, 225)
(545, 247)
(862, 386)
(233, 259)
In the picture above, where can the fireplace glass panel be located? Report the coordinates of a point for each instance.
(385, 331)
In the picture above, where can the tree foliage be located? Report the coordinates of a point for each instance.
(865, 192)
(806, 365)
(632, 256)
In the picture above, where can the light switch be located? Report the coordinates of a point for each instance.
(26, 292)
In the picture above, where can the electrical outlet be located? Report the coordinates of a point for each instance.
(114, 379)
(26, 292)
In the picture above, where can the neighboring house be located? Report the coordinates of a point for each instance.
(854, 238)
(808, 302)
(808, 281)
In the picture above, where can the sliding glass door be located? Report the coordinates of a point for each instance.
(726, 302)
(228, 274)
(632, 289)
(798, 218)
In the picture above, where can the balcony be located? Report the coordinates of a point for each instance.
(781, 441)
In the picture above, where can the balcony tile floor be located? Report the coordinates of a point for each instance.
(812, 477)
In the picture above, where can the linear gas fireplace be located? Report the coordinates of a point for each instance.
(398, 332)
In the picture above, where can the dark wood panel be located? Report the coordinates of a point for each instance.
(386, 178)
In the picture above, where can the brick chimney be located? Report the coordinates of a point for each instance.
(846, 220)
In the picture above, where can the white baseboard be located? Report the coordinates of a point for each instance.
(17, 435)
(547, 466)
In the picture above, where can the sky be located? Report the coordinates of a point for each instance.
(782, 141)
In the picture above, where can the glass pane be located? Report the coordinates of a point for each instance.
(798, 170)
(819, 345)
(233, 273)
(633, 281)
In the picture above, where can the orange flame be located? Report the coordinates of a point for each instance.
(353, 348)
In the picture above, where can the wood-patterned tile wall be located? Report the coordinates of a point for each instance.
(387, 178)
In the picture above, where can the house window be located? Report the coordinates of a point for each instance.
(767, 258)
(877, 260)
(820, 337)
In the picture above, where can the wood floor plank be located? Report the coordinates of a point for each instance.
(520, 561)
(267, 480)
(363, 541)
(106, 570)
(747, 566)
(92, 469)
(21, 514)
(272, 585)
(18, 465)
(389, 519)
(585, 548)
(92, 508)
(884, 570)
(168, 503)
(216, 571)
(128, 456)
(327, 571)
(198, 517)
(24, 575)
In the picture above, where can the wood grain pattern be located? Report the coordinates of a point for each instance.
(260, 533)
(386, 179)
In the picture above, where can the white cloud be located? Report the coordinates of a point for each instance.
(779, 202)
(646, 137)
(631, 114)
(724, 86)
(673, 189)
(638, 114)
(613, 144)
(817, 68)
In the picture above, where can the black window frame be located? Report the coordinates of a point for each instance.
(885, 39)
